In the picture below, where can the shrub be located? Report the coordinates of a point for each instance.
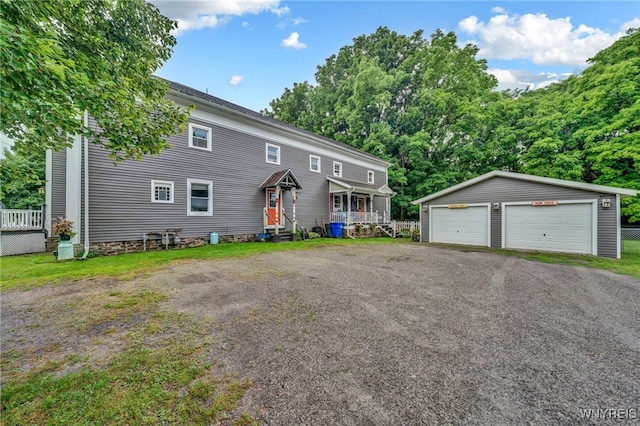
(313, 235)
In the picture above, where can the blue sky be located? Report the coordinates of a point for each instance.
(248, 51)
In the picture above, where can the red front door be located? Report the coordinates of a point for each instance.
(273, 207)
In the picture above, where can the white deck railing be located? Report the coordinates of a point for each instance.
(360, 217)
(406, 227)
(20, 220)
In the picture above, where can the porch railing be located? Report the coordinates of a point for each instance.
(20, 220)
(405, 227)
(360, 217)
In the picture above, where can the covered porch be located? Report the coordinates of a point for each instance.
(352, 202)
(274, 215)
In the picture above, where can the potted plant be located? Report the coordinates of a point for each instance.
(64, 228)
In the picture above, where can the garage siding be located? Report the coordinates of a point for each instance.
(501, 189)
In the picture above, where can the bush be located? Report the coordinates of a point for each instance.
(313, 235)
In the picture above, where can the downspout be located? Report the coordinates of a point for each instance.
(86, 189)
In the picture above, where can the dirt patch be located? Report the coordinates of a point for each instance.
(375, 335)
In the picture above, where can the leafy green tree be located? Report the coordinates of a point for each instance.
(21, 178)
(587, 128)
(418, 103)
(64, 57)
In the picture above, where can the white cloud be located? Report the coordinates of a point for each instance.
(245, 24)
(235, 80)
(292, 42)
(519, 79)
(291, 21)
(193, 14)
(297, 21)
(280, 12)
(498, 9)
(543, 40)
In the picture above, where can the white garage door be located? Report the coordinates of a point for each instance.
(468, 226)
(563, 227)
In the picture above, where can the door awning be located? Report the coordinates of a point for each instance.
(349, 186)
(285, 179)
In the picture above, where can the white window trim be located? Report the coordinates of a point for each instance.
(197, 126)
(266, 153)
(339, 198)
(155, 183)
(311, 157)
(371, 176)
(337, 163)
(210, 201)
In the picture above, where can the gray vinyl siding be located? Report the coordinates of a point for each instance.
(500, 189)
(58, 184)
(121, 207)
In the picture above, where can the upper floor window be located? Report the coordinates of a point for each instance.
(161, 191)
(337, 169)
(314, 163)
(370, 177)
(199, 137)
(273, 154)
(199, 197)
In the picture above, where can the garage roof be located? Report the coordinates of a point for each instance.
(531, 178)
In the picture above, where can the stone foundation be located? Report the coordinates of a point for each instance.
(119, 247)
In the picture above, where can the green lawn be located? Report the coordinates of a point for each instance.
(630, 247)
(29, 271)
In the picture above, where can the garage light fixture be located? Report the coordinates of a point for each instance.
(425, 207)
(495, 206)
(606, 202)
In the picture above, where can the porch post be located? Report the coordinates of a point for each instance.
(348, 207)
(278, 207)
(371, 206)
(294, 195)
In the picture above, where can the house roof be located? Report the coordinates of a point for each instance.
(221, 103)
(362, 187)
(531, 178)
(284, 178)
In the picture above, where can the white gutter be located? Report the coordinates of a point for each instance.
(86, 189)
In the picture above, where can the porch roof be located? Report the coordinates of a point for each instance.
(283, 178)
(344, 185)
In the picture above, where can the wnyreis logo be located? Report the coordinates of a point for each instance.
(609, 413)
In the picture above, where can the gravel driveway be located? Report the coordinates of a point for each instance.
(408, 334)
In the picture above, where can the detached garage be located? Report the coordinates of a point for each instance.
(518, 211)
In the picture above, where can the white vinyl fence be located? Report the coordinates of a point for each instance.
(21, 232)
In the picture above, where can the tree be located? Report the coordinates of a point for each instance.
(587, 127)
(21, 180)
(64, 57)
(418, 103)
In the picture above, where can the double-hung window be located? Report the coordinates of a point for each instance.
(314, 163)
(199, 197)
(272, 153)
(337, 169)
(161, 191)
(199, 137)
(370, 176)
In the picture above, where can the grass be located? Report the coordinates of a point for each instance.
(159, 375)
(30, 271)
(630, 247)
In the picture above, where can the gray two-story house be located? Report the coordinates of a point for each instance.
(233, 172)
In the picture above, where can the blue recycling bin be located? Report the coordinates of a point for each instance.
(336, 229)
